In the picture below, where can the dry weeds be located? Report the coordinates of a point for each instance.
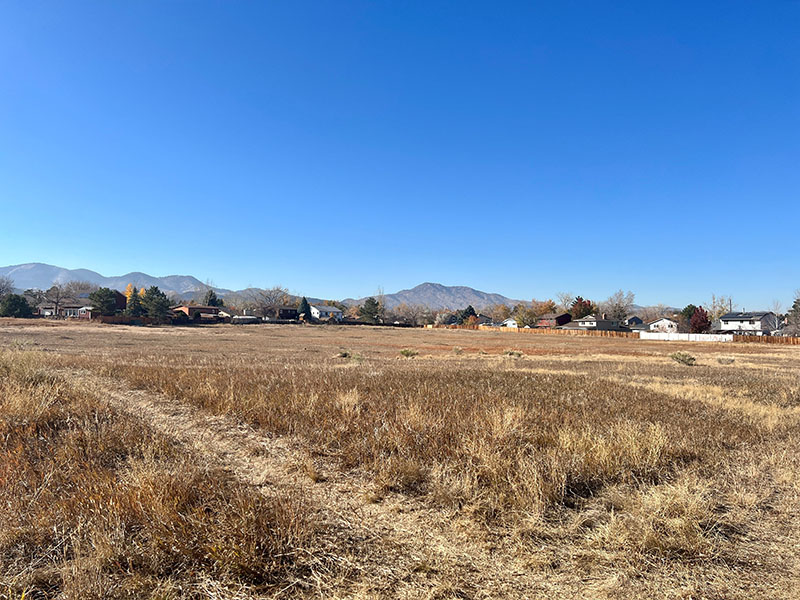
(581, 468)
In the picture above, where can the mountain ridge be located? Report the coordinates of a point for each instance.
(440, 297)
(435, 296)
(42, 276)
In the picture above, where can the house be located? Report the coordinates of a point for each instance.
(120, 300)
(245, 319)
(633, 320)
(67, 310)
(484, 319)
(198, 312)
(552, 320)
(287, 313)
(510, 322)
(324, 312)
(748, 323)
(594, 323)
(663, 325)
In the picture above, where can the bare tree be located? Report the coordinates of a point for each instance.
(381, 298)
(266, 302)
(6, 286)
(411, 313)
(651, 313)
(565, 300)
(499, 312)
(74, 289)
(619, 305)
(55, 296)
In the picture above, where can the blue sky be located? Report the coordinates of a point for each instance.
(335, 147)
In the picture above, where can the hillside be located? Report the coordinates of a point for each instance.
(437, 296)
(42, 276)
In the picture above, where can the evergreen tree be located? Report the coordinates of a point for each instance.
(156, 303)
(134, 306)
(305, 309)
(688, 312)
(370, 311)
(210, 299)
(581, 308)
(793, 318)
(465, 314)
(104, 301)
(700, 323)
(14, 305)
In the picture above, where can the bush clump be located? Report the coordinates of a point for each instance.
(683, 358)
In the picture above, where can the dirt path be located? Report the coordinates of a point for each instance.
(418, 554)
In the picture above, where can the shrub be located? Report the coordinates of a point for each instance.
(513, 353)
(683, 358)
(409, 352)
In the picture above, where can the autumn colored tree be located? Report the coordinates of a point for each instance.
(539, 308)
(133, 307)
(142, 292)
(699, 323)
(581, 308)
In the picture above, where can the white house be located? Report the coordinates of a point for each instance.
(748, 323)
(324, 312)
(510, 322)
(664, 325)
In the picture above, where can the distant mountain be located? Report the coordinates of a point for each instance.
(42, 276)
(439, 297)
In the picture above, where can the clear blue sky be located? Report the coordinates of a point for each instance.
(334, 147)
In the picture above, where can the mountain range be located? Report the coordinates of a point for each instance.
(432, 295)
(439, 297)
(42, 276)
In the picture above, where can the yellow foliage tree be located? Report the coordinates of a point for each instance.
(141, 293)
(129, 291)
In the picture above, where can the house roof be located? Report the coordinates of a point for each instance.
(326, 307)
(554, 315)
(197, 306)
(661, 319)
(744, 316)
(595, 318)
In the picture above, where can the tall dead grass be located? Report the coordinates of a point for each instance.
(93, 504)
(499, 445)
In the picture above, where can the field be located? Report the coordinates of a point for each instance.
(348, 462)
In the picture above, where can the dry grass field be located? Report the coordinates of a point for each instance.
(348, 462)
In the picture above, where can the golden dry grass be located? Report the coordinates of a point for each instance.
(572, 467)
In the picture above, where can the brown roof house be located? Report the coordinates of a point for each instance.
(197, 313)
(553, 320)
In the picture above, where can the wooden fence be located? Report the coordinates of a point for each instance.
(541, 331)
(767, 339)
